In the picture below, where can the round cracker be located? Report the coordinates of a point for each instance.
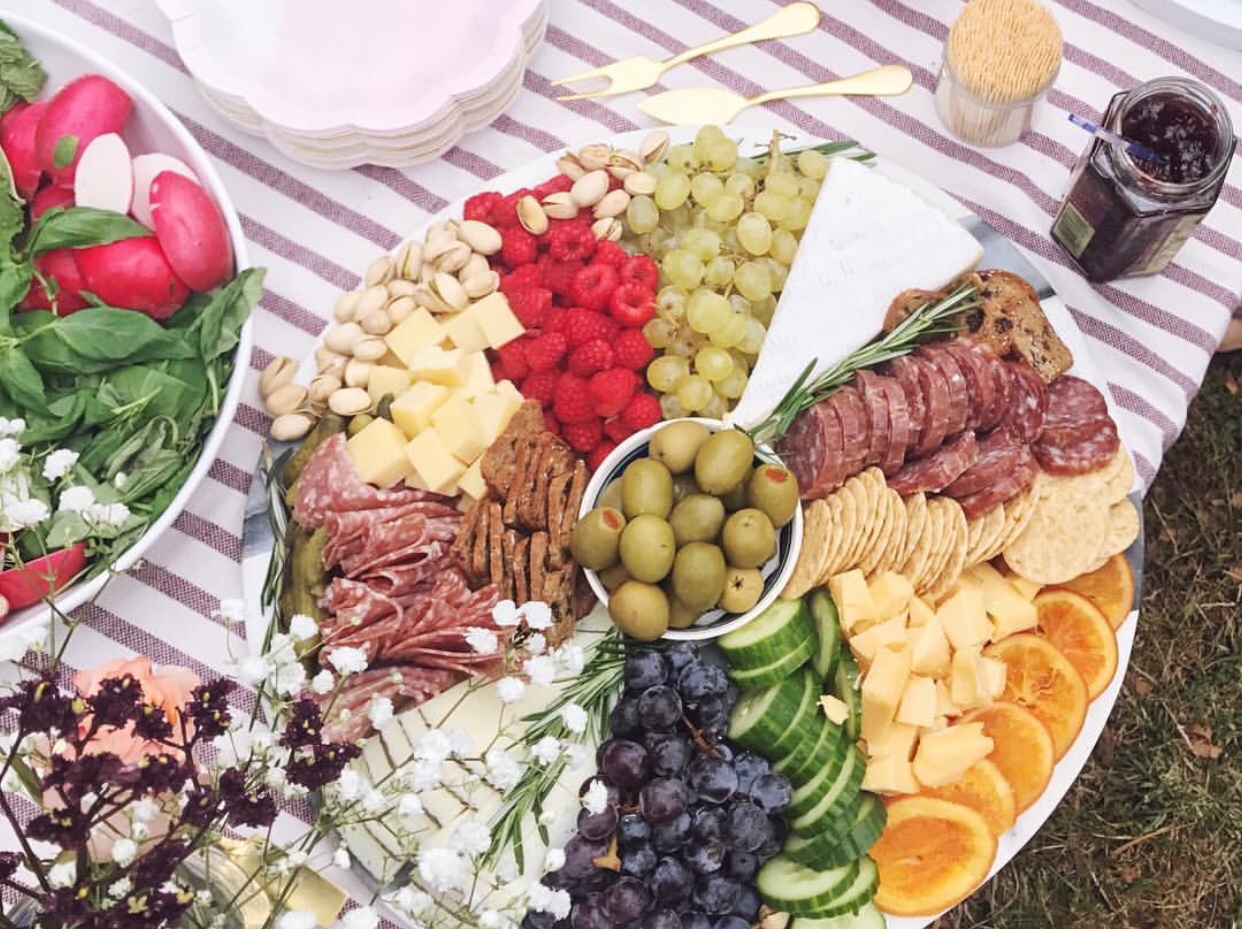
(940, 554)
(897, 533)
(1120, 480)
(859, 491)
(982, 532)
(1018, 512)
(880, 543)
(806, 572)
(916, 523)
(955, 559)
(927, 547)
(877, 514)
(1065, 532)
(833, 556)
(850, 525)
(1123, 529)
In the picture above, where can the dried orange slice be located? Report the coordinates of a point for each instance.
(1081, 633)
(1044, 681)
(1023, 751)
(932, 855)
(983, 788)
(1110, 587)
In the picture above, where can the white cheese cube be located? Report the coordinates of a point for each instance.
(439, 365)
(438, 468)
(412, 410)
(378, 453)
(417, 331)
(496, 319)
(465, 331)
(458, 428)
(471, 483)
(478, 378)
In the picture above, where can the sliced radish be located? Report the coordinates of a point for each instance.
(146, 167)
(80, 112)
(49, 198)
(191, 230)
(133, 274)
(27, 585)
(105, 175)
(17, 138)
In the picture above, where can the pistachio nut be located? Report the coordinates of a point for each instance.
(607, 229)
(349, 401)
(400, 308)
(380, 271)
(613, 204)
(341, 339)
(325, 358)
(594, 157)
(653, 146)
(371, 300)
(482, 284)
(279, 372)
(291, 427)
(449, 289)
(287, 399)
(357, 373)
(640, 183)
(476, 265)
(370, 348)
(346, 306)
(322, 387)
(437, 246)
(454, 258)
(560, 205)
(569, 165)
(377, 323)
(479, 236)
(531, 215)
(409, 260)
(427, 297)
(400, 287)
(590, 189)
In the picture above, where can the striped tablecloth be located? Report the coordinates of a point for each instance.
(317, 230)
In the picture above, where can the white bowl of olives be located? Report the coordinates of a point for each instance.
(687, 531)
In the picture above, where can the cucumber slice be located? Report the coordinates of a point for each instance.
(851, 897)
(868, 917)
(787, 885)
(827, 633)
(802, 763)
(828, 851)
(832, 812)
(807, 796)
(762, 717)
(781, 668)
(780, 629)
(845, 686)
(804, 724)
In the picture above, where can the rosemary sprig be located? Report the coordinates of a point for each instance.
(929, 319)
(847, 147)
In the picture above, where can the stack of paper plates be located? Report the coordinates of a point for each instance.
(1219, 21)
(334, 85)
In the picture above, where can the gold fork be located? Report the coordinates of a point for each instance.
(641, 72)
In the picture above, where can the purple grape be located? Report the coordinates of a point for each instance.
(777, 831)
(713, 779)
(773, 792)
(632, 830)
(538, 919)
(671, 836)
(659, 708)
(614, 793)
(699, 682)
(731, 922)
(669, 753)
(709, 716)
(595, 826)
(710, 824)
(661, 919)
(644, 667)
(580, 855)
(623, 721)
(680, 654)
(625, 900)
(638, 861)
(624, 763)
(695, 919)
(705, 857)
(662, 800)
(741, 866)
(589, 914)
(716, 894)
(748, 826)
(670, 881)
(748, 903)
(749, 767)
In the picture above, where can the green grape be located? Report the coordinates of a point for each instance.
(665, 373)
(658, 169)
(659, 332)
(763, 310)
(713, 363)
(681, 218)
(813, 164)
(682, 268)
(672, 191)
(808, 189)
(799, 215)
(732, 386)
(752, 339)
(703, 243)
(777, 272)
(671, 407)
(740, 184)
(693, 392)
(754, 233)
(784, 246)
(642, 214)
(786, 185)
(704, 139)
(728, 239)
(753, 280)
(687, 343)
(722, 155)
(751, 168)
(715, 407)
(682, 158)
(772, 205)
(671, 303)
(726, 208)
(740, 304)
(658, 240)
(719, 273)
(705, 188)
(706, 311)
(729, 334)
(741, 360)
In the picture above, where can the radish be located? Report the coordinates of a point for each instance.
(105, 175)
(49, 198)
(146, 167)
(17, 138)
(27, 585)
(134, 274)
(191, 230)
(60, 266)
(81, 111)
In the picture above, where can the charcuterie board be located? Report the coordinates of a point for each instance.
(764, 652)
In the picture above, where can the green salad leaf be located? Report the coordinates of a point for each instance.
(21, 75)
(80, 227)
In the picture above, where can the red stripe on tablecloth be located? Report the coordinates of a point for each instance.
(1146, 470)
(1139, 406)
(178, 588)
(256, 420)
(541, 139)
(231, 476)
(210, 534)
(289, 250)
(293, 313)
(475, 164)
(402, 186)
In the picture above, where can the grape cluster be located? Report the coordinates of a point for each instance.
(689, 820)
(725, 231)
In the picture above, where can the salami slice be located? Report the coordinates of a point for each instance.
(959, 393)
(1028, 399)
(1008, 486)
(999, 453)
(937, 416)
(939, 469)
(1078, 454)
(1072, 400)
(978, 378)
(905, 372)
(849, 405)
(876, 402)
(900, 426)
(803, 450)
(329, 483)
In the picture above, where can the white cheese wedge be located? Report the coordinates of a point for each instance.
(868, 239)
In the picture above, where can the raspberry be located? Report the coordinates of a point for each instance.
(632, 304)
(642, 411)
(641, 270)
(584, 436)
(531, 306)
(593, 286)
(558, 276)
(541, 387)
(480, 206)
(599, 453)
(518, 247)
(504, 211)
(572, 403)
(544, 352)
(591, 356)
(630, 349)
(554, 320)
(611, 390)
(571, 241)
(610, 253)
(583, 325)
(555, 185)
(616, 430)
(513, 364)
(526, 277)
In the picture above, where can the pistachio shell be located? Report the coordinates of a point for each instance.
(590, 189)
(479, 236)
(560, 205)
(287, 399)
(442, 227)
(455, 258)
(325, 358)
(609, 228)
(400, 287)
(480, 285)
(653, 146)
(427, 297)
(323, 387)
(377, 323)
(409, 260)
(640, 183)
(349, 401)
(371, 300)
(613, 204)
(357, 373)
(341, 339)
(370, 348)
(594, 157)
(569, 165)
(531, 215)
(400, 309)
(381, 271)
(449, 289)
(437, 246)
(346, 306)
(279, 372)
(291, 427)
(476, 265)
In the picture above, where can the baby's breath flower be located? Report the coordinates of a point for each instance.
(121, 888)
(22, 514)
(323, 682)
(58, 464)
(123, 852)
(472, 837)
(503, 772)
(76, 499)
(409, 805)
(15, 642)
(347, 659)
(506, 613)
(297, 919)
(541, 669)
(232, 610)
(547, 817)
(571, 657)
(340, 857)
(302, 627)
(596, 797)
(574, 717)
(379, 711)
(365, 917)
(554, 860)
(538, 615)
(510, 690)
(433, 745)
(10, 454)
(253, 669)
(63, 874)
(483, 641)
(546, 750)
(535, 643)
(462, 744)
(12, 427)
(544, 899)
(409, 900)
(443, 869)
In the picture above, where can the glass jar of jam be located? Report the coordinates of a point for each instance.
(1125, 216)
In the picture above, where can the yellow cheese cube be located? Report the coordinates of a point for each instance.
(458, 428)
(991, 674)
(835, 710)
(416, 482)
(853, 599)
(378, 453)
(494, 411)
(385, 380)
(1008, 610)
(964, 678)
(943, 756)
(891, 593)
(496, 319)
(471, 483)
(964, 618)
(931, 653)
(881, 691)
(944, 702)
(478, 378)
(434, 463)
(918, 702)
(920, 612)
(508, 389)
(871, 640)
(1026, 588)
(417, 331)
(899, 742)
(889, 774)
(464, 331)
(439, 365)
(412, 410)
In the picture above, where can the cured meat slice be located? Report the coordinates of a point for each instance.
(938, 470)
(1000, 378)
(1072, 400)
(1080, 453)
(978, 375)
(405, 685)
(905, 372)
(959, 393)
(937, 416)
(330, 484)
(855, 430)
(876, 402)
(1028, 399)
(999, 453)
(1008, 486)
(811, 449)
(900, 426)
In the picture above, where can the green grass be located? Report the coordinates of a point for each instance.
(1150, 836)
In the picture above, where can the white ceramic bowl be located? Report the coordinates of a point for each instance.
(776, 571)
(152, 128)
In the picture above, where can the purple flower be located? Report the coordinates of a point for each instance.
(85, 774)
(159, 864)
(117, 700)
(209, 708)
(42, 706)
(9, 863)
(152, 724)
(305, 725)
(158, 773)
(316, 766)
(68, 828)
(244, 807)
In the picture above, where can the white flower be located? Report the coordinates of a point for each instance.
(253, 669)
(506, 613)
(554, 860)
(472, 837)
(144, 810)
(15, 642)
(462, 744)
(340, 857)
(365, 917)
(483, 641)
(510, 689)
(596, 797)
(574, 717)
(379, 711)
(349, 785)
(12, 426)
(374, 801)
(139, 832)
(76, 499)
(546, 900)
(579, 755)
(571, 657)
(302, 627)
(443, 869)
(123, 852)
(121, 888)
(63, 874)
(409, 900)
(546, 750)
(433, 745)
(547, 817)
(507, 870)
(322, 682)
(503, 772)
(297, 919)
(537, 615)
(541, 669)
(535, 643)
(10, 454)
(20, 514)
(120, 480)
(289, 678)
(425, 774)
(347, 659)
(490, 919)
(58, 464)
(409, 805)
(232, 610)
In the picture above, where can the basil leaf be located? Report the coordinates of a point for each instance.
(21, 380)
(218, 326)
(21, 75)
(96, 340)
(81, 227)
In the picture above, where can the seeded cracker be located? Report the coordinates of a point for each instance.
(463, 545)
(521, 585)
(538, 562)
(1123, 529)
(1066, 532)
(558, 492)
(518, 478)
(811, 555)
(480, 564)
(577, 487)
(498, 461)
(873, 524)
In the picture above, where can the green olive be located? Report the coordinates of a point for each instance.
(648, 548)
(742, 589)
(735, 499)
(639, 610)
(723, 461)
(611, 495)
(698, 575)
(697, 518)
(596, 538)
(748, 538)
(614, 577)
(681, 616)
(684, 486)
(646, 487)
(676, 445)
(358, 423)
(774, 490)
